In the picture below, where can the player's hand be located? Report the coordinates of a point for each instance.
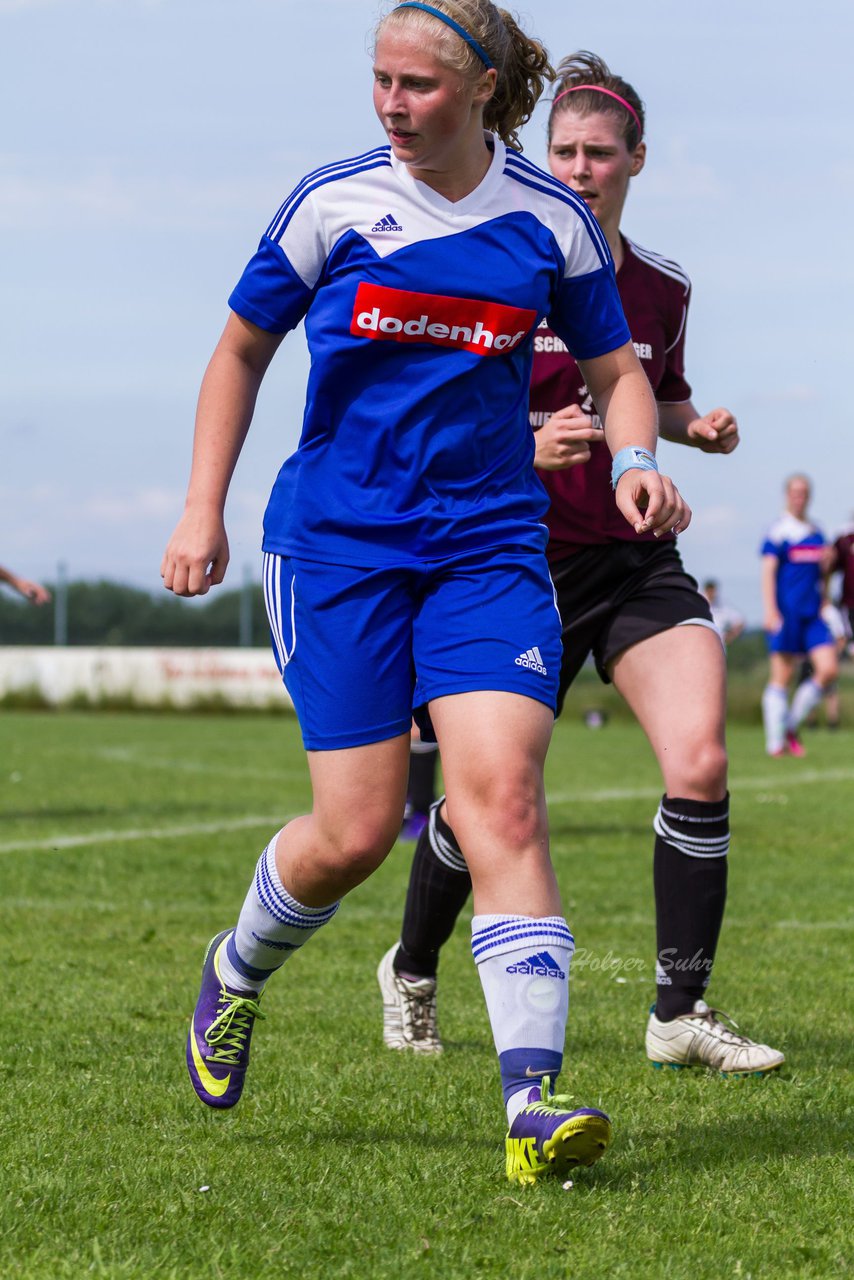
(715, 432)
(32, 591)
(652, 503)
(564, 439)
(197, 555)
(772, 621)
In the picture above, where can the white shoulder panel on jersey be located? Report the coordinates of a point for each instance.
(788, 528)
(576, 230)
(321, 208)
(373, 196)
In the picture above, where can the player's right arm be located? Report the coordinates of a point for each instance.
(197, 555)
(772, 619)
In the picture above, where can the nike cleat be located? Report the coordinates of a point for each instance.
(701, 1039)
(409, 1009)
(547, 1138)
(794, 746)
(218, 1043)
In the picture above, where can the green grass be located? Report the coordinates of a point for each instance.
(127, 840)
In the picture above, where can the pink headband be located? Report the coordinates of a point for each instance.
(597, 88)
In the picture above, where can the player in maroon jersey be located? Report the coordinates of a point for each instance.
(843, 563)
(627, 600)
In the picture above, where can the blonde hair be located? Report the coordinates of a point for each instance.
(521, 61)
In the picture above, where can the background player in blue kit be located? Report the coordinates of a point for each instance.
(795, 563)
(625, 599)
(403, 541)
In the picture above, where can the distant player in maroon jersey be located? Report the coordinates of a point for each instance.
(627, 600)
(843, 563)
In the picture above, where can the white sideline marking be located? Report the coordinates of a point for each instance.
(557, 798)
(129, 755)
(771, 783)
(150, 833)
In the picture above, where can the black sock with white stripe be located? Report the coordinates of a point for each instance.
(439, 885)
(690, 877)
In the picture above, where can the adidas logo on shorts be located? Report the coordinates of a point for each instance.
(533, 660)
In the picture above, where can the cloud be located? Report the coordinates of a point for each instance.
(103, 198)
(797, 393)
(20, 6)
(123, 510)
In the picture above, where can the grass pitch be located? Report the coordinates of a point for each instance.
(128, 840)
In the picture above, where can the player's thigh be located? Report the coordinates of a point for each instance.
(342, 639)
(493, 747)
(487, 652)
(675, 683)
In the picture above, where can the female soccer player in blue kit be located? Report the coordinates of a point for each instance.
(795, 563)
(627, 600)
(405, 533)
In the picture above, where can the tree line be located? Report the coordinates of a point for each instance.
(110, 613)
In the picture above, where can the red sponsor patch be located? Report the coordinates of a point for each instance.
(806, 555)
(467, 324)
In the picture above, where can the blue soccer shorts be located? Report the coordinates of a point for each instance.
(799, 635)
(360, 649)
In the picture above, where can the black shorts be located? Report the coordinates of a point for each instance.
(615, 594)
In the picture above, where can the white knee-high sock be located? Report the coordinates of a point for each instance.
(271, 926)
(523, 964)
(807, 695)
(774, 711)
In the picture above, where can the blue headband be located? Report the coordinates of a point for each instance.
(455, 26)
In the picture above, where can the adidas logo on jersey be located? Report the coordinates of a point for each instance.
(468, 324)
(388, 223)
(533, 660)
(542, 965)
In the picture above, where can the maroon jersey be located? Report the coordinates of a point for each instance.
(844, 563)
(655, 295)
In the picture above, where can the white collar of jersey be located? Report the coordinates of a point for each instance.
(456, 208)
(793, 529)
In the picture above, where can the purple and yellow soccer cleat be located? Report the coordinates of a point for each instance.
(547, 1139)
(218, 1043)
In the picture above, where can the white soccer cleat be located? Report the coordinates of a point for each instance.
(701, 1039)
(409, 1009)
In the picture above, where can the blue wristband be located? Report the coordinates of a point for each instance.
(632, 458)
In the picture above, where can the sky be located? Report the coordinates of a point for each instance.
(147, 143)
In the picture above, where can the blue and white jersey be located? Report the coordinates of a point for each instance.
(419, 316)
(798, 546)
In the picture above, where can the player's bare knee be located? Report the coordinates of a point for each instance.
(514, 813)
(702, 772)
(358, 848)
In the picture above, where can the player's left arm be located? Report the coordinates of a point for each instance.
(713, 432)
(625, 404)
